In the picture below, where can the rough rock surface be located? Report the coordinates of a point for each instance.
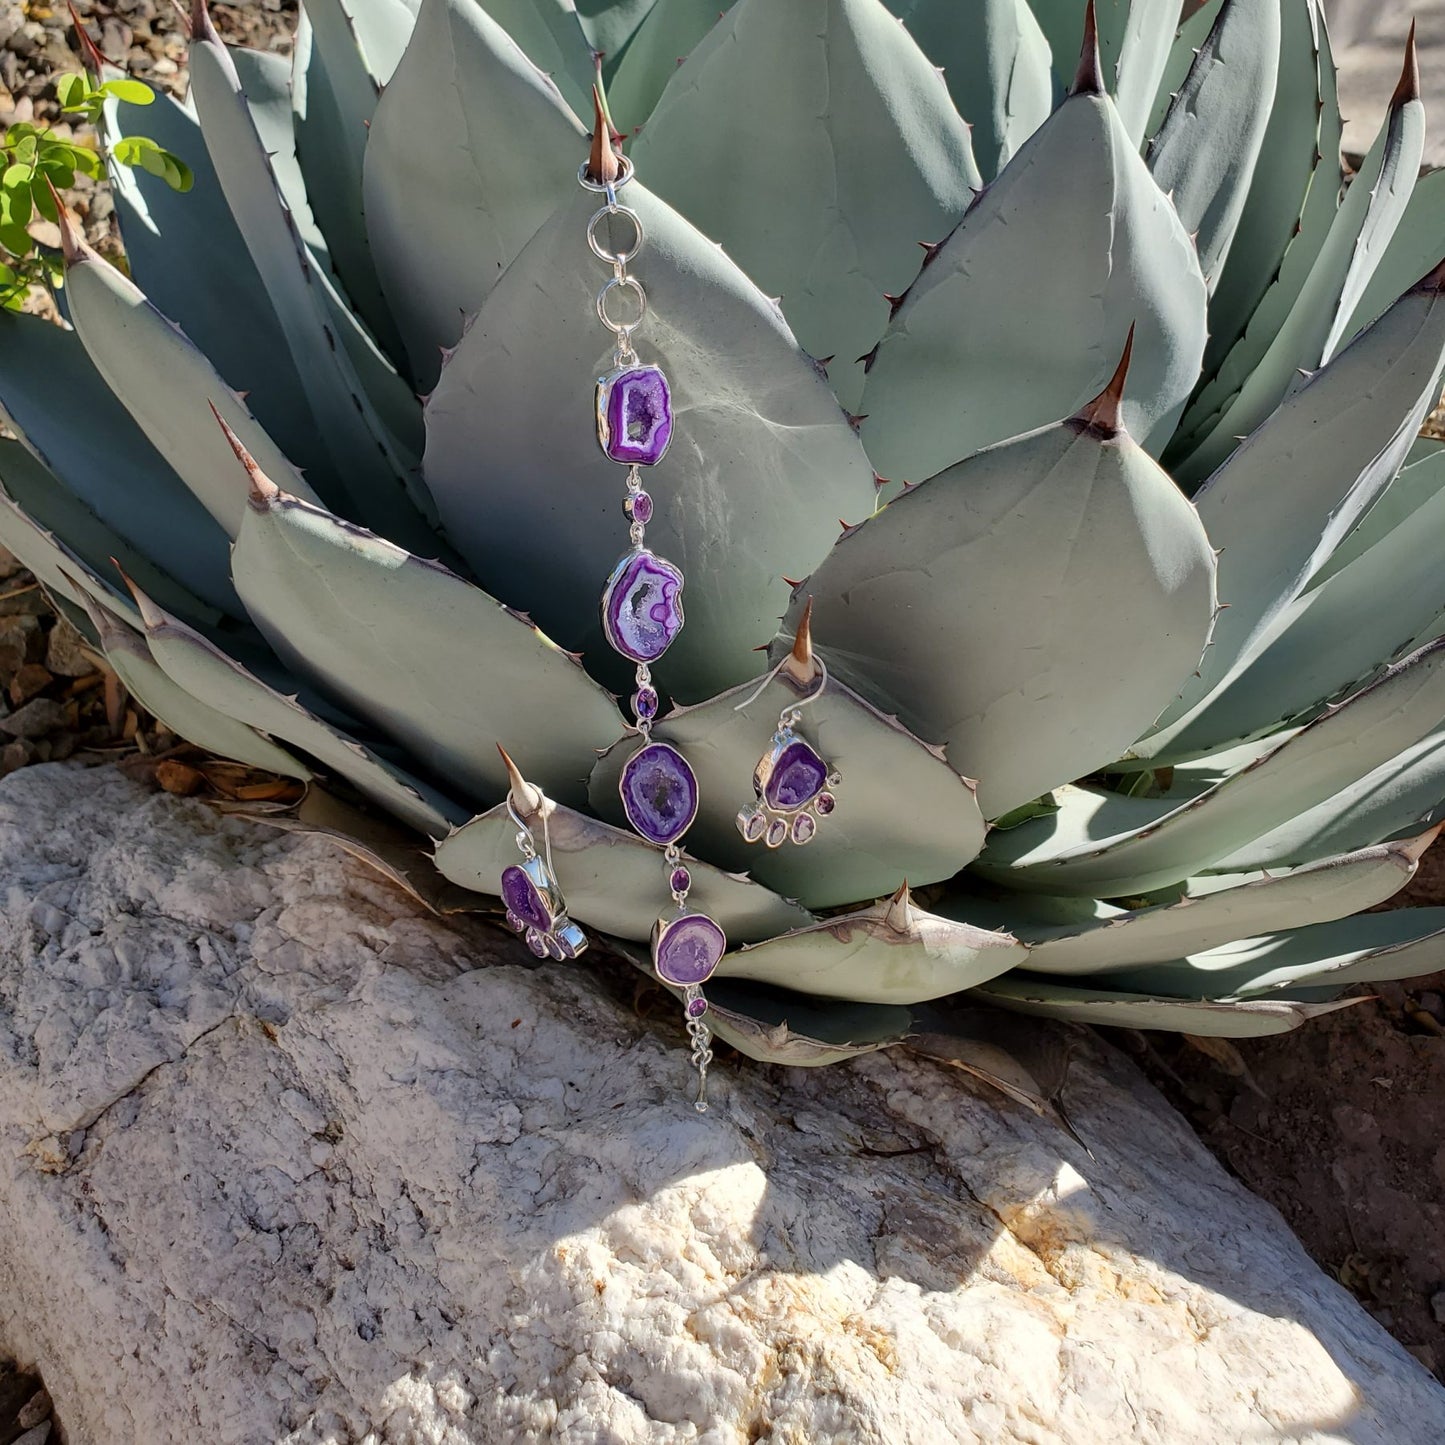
(285, 1159)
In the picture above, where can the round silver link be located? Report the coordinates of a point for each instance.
(621, 257)
(636, 532)
(624, 174)
(622, 329)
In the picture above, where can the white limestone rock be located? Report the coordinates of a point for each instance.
(285, 1160)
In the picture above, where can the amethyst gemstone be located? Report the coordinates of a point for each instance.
(642, 606)
(804, 826)
(686, 950)
(680, 881)
(826, 803)
(644, 702)
(798, 776)
(696, 1007)
(638, 506)
(777, 833)
(634, 415)
(524, 901)
(659, 793)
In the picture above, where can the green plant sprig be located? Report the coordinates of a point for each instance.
(33, 159)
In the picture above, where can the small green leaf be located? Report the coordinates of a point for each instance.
(26, 148)
(16, 175)
(16, 239)
(44, 201)
(59, 174)
(16, 206)
(72, 91)
(178, 175)
(135, 92)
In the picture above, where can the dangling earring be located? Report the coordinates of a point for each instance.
(535, 907)
(793, 781)
(642, 602)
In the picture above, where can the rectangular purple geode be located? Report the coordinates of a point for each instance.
(634, 415)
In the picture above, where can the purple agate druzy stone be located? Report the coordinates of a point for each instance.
(642, 606)
(523, 899)
(687, 949)
(659, 793)
(798, 776)
(634, 415)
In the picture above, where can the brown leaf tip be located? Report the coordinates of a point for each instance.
(525, 798)
(1408, 88)
(72, 241)
(1089, 77)
(93, 59)
(1104, 415)
(263, 491)
(800, 663)
(603, 165)
(201, 27)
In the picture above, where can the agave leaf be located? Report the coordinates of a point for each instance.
(1117, 938)
(67, 415)
(188, 717)
(375, 483)
(1292, 201)
(1254, 1018)
(1414, 487)
(1295, 489)
(1204, 155)
(1369, 948)
(186, 254)
(1414, 249)
(553, 35)
(661, 42)
(888, 952)
(996, 62)
(1316, 324)
(1405, 794)
(1096, 845)
(45, 510)
(417, 652)
(335, 84)
(1187, 44)
(1002, 299)
(761, 465)
(857, 100)
(609, 876)
(169, 386)
(207, 674)
(948, 606)
(902, 811)
(1135, 38)
(446, 218)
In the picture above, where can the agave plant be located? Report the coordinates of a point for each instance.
(1135, 669)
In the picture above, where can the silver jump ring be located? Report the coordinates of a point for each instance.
(623, 329)
(615, 258)
(624, 174)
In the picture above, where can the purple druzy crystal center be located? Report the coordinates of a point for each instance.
(523, 900)
(687, 950)
(659, 793)
(798, 776)
(636, 415)
(642, 606)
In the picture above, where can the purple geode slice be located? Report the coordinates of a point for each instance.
(687, 949)
(642, 606)
(634, 415)
(797, 776)
(524, 899)
(659, 793)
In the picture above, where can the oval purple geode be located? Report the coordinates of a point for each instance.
(642, 606)
(634, 415)
(659, 793)
(798, 775)
(687, 949)
(524, 900)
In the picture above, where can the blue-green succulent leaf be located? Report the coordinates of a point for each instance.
(1204, 155)
(995, 61)
(761, 466)
(553, 34)
(810, 221)
(1110, 846)
(418, 653)
(1118, 938)
(1318, 321)
(1187, 44)
(902, 812)
(1205, 1018)
(889, 952)
(1030, 608)
(776, 1026)
(611, 879)
(665, 38)
(446, 217)
(1414, 487)
(210, 676)
(1415, 249)
(1294, 490)
(1007, 297)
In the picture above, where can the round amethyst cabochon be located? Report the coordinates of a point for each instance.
(687, 949)
(659, 793)
(642, 606)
